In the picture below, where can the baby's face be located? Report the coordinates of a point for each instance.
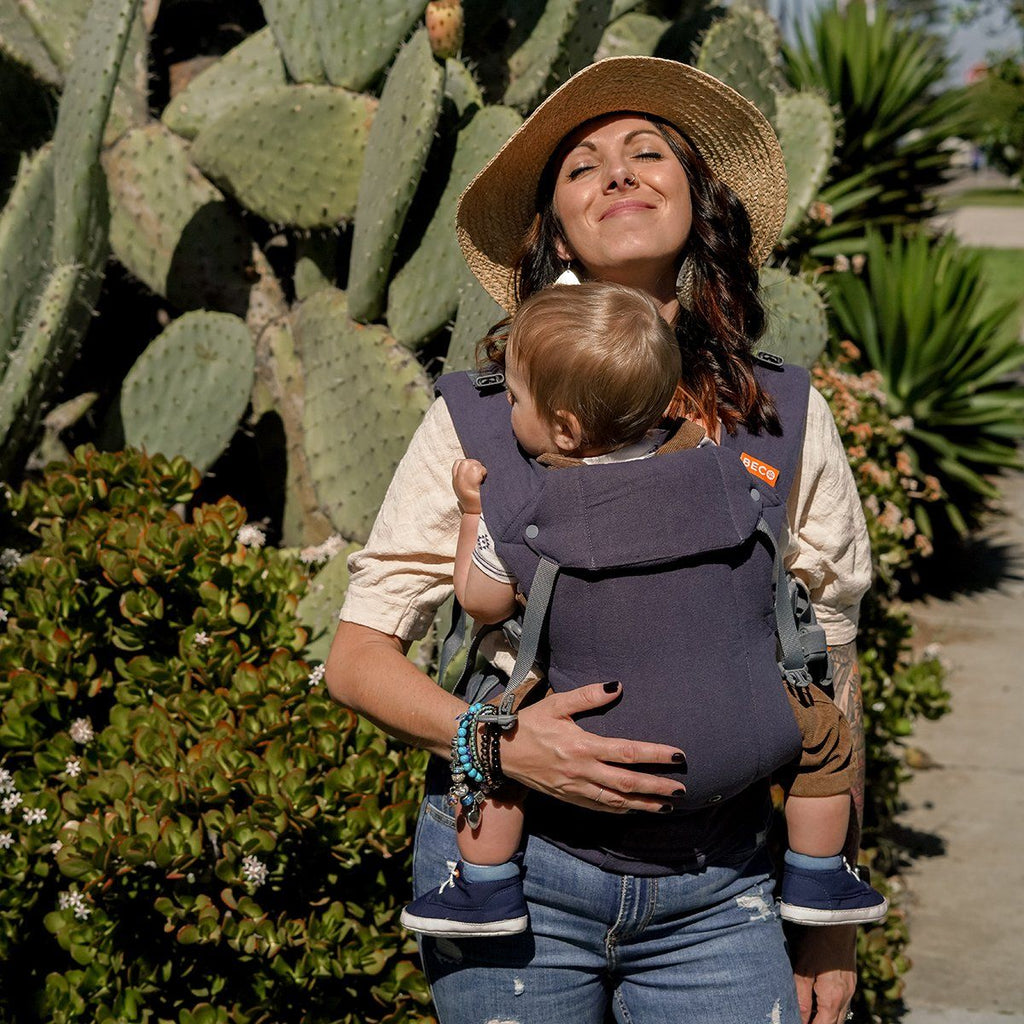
(533, 431)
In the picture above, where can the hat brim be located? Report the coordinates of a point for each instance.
(733, 136)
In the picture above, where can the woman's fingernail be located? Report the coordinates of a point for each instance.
(611, 687)
(679, 758)
(666, 809)
(679, 793)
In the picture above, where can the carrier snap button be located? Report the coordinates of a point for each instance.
(755, 494)
(531, 532)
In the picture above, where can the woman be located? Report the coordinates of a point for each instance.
(647, 173)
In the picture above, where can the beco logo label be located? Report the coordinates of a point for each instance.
(769, 474)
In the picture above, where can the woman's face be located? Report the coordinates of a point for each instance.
(623, 200)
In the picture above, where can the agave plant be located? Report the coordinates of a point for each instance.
(947, 362)
(885, 78)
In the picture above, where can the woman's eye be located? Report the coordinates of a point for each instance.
(577, 171)
(649, 155)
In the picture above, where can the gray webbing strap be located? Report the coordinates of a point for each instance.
(793, 664)
(453, 641)
(533, 627)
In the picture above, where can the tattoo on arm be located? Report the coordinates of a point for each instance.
(846, 680)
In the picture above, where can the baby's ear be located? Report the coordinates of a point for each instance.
(568, 433)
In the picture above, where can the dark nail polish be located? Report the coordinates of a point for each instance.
(679, 792)
(611, 687)
(679, 758)
(666, 809)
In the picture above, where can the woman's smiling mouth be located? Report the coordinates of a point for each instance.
(625, 206)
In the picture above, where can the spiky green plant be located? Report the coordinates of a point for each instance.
(915, 312)
(887, 82)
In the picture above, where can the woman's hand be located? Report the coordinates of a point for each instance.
(825, 972)
(467, 476)
(549, 752)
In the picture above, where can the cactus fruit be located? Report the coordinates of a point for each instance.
(26, 227)
(563, 39)
(293, 154)
(171, 228)
(446, 27)
(252, 66)
(477, 314)
(797, 326)
(424, 294)
(357, 39)
(806, 129)
(396, 152)
(189, 388)
(364, 397)
(741, 49)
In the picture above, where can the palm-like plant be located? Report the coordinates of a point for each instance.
(884, 79)
(947, 361)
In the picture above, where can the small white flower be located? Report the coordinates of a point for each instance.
(202, 639)
(251, 536)
(317, 675)
(34, 815)
(254, 870)
(81, 730)
(56, 847)
(9, 557)
(72, 767)
(322, 552)
(6, 840)
(903, 423)
(75, 901)
(841, 262)
(6, 781)
(10, 801)
(4, 615)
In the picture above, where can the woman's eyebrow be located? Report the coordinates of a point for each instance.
(641, 131)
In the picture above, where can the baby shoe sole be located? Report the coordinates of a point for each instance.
(441, 928)
(820, 918)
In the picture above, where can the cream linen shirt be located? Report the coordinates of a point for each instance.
(404, 573)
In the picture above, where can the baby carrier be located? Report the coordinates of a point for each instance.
(657, 573)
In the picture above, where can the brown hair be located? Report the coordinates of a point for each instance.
(600, 351)
(724, 318)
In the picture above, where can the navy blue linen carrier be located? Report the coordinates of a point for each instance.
(666, 587)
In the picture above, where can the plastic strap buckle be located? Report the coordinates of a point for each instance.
(487, 380)
(799, 677)
(769, 359)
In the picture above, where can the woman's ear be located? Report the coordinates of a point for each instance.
(562, 250)
(568, 432)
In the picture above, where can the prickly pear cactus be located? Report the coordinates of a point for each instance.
(21, 40)
(251, 67)
(293, 155)
(189, 388)
(806, 130)
(461, 88)
(797, 326)
(293, 23)
(633, 35)
(319, 607)
(364, 397)
(171, 228)
(424, 294)
(477, 314)
(396, 152)
(446, 26)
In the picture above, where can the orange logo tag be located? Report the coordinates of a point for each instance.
(769, 474)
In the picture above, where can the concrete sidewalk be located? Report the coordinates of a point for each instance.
(965, 817)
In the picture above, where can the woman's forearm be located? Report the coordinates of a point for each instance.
(368, 672)
(850, 700)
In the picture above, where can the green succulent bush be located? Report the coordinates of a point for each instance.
(190, 829)
(915, 312)
(898, 687)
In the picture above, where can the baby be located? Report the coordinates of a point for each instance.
(589, 371)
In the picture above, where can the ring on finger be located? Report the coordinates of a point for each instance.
(600, 793)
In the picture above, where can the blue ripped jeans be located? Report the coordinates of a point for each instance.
(701, 948)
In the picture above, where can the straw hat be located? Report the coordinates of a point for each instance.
(732, 135)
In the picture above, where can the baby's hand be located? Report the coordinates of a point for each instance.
(467, 476)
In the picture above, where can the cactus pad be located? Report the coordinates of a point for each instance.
(252, 66)
(321, 603)
(424, 294)
(797, 326)
(460, 87)
(399, 142)
(807, 134)
(357, 39)
(364, 397)
(293, 154)
(563, 39)
(477, 314)
(26, 226)
(23, 44)
(294, 27)
(171, 228)
(189, 388)
(742, 49)
(633, 34)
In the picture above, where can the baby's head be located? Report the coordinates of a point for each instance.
(589, 368)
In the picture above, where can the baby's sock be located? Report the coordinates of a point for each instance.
(488, 872)
(802, 860)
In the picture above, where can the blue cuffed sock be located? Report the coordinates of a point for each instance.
(802, 860)
(489, 872)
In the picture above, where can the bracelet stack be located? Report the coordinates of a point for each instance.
(476, 758)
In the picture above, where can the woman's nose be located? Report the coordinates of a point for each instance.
(619, 178)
